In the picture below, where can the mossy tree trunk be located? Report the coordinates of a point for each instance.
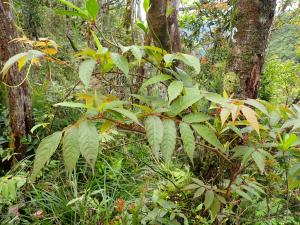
(19, 100)
(253, 22)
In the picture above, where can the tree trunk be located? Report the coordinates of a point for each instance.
(127, 16)
(19, 100)
(158, 24)
(174, 26)
(253, 21)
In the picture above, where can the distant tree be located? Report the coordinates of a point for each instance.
(31, 17)
(253, 20)
(19, 100)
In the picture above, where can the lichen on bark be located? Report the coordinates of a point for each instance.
(253, 20)
(231, 82)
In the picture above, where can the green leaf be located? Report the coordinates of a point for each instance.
(250, 190)
(189, 60)
(86, 69)
(154, 131)
(111, 105)
(236, 130)
(199, 192)
(188, 140)
(92, 8)
(35, 54)
(199, 182)
(191, 187)
(9, 63)
(97, 41)
(121, 62)
(288, 141)
(38, 126)
(244, 195)
(196, 117)
(136, 51)
(88, 142)
(259, 159)
(256, 186)
(184, 102)
(154, 49)
(221, 199)
(70, 147)
(156, 79)
(67, 3)
(70, 13)
(208, 135)
(166, 204)
(169, 140)
(192, 61)
(146, 5)
(257, 105)
(142, 26)
(216, 98)
(243, 151)
(174, 90)
(44, 152)
(12, 190)
(5, 190)
(209, 198)
(184, 77)
(215, 208)
(71, 104)
(127, 114)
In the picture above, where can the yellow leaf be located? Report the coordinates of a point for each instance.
(22, 61)
(250, 116)
(105, 126)
(225, 95)
(235, 111)
(58, 61)
(145, 108)
(50, 51)
(89, 99)
(40, 44)
(35, 61)
(101, 107)
(224, 115)
(108, 98)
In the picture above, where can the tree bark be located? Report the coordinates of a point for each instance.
(253, 21)
(158, 24)
(19, 100)
(164, 29)
(174, 26)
